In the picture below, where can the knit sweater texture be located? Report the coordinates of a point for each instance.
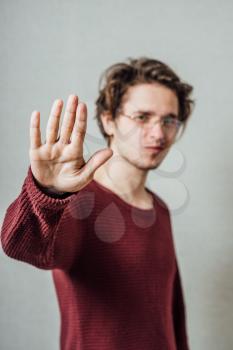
(113, 265)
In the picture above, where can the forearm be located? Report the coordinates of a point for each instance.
(30, 226)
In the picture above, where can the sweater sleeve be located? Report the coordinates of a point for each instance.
(179, 313)
(39, 229)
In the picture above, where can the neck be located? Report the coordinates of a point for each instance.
(123, 178)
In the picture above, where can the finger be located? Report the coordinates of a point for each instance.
(53, 121)
(80, 126)
(69, 119)
(94, 163)
(35, 134)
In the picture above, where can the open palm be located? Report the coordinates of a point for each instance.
(58, 163)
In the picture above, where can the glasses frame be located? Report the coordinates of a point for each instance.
(179, 124)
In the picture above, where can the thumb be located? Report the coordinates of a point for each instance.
(96, 160)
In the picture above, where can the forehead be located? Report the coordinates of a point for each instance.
(154, 96)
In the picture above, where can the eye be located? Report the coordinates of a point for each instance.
(142, 118)
(169, 121)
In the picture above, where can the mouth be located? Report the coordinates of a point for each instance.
(154, 149)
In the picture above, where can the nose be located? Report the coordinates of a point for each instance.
(156, 131)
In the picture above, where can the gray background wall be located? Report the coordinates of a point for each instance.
(52, 48)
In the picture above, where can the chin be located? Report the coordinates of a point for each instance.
(147, 164)
(147, 167)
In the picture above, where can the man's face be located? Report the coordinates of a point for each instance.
(131, 141)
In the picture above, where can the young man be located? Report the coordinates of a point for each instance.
(106, 237)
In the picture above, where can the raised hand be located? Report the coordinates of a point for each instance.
(58, 164)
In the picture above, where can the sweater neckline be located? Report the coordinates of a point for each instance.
(121, 201)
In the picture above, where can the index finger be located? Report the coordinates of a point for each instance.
(69, 119)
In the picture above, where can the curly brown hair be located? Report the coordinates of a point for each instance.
(115, 81)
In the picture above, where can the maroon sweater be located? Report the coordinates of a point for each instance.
(114, 266)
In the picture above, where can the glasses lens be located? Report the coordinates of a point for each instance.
(179, 131)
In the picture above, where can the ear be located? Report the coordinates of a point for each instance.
(108, 123)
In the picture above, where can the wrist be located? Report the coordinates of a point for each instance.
(51, 190)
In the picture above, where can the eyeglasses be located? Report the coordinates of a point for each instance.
(170, 125)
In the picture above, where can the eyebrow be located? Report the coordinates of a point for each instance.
(149, 113)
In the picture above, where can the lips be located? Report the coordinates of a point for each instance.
(155, 148)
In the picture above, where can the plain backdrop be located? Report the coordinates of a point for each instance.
(50, 49)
